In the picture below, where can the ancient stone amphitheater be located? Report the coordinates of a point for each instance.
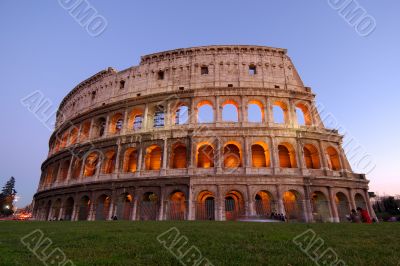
(205, 133)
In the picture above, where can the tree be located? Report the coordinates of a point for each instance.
(7, 196)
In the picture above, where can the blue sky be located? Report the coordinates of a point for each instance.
(355, 78)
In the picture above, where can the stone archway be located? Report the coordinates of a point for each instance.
(263, 203)
(342, 205)
(149, 206)
(176, 207)
(234, 205)
(293, 206)
(320, 207)
(124, 206)
(102, 207)
(205, 206)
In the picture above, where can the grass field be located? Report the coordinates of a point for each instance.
(222, 243)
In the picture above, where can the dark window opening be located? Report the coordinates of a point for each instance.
(276, 87)
(118, 125)
(252, 70)
(230, 85)
(160, 75)
(138, 94)
(159, 117)
(181, 88)
(137, 124)
(204, 70)
(122, 84)
(93, 95)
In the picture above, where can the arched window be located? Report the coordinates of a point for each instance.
(178, 156)
(232, 157)
(255, 112)
(260, 156)
(135, 119)
(109, 162)
(333, 159)
(100, 127)
(64, 170)
(73, 136)
(130, 160)
(116, 123)
(230, 112)
(137, 122)
(205, 156)
(311, 157)
(303, 115)
(158, 116)
(153, 157)
(286, 156)
(280, 113)
(205, 112)
(91, 164)
(85, 129)
(76, 167)
(181, 115)
(64, 140)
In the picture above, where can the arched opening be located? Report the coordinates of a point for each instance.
(333, 159)
(56, 210)
(342, 205)
(287, 156)
(47, 211)
(205, 156)
(205, 112)
(124, 206)
(109, 162)
(280, 112)
(311, 157)
(153, 157)
(100, 127)
(260, 155)
(102, 207)
(158, 120)
(181, 115)
(230, 111)
(205, 206)
(116, 123)
(49, 175)
(64, 140)
(135, 120)
(84, 207)
(303, 115)
(176, 206)
(320, 207)
(68, 209)
(73, 136)
(64, 170)
(178, 156)
(263, 203)
(85, 129)
(76, 168)
(130, 160)
(232, 156)
(91, 164)
(360, 202)
(292, 205)
(149, 206)
(234, 205)
(255, 112)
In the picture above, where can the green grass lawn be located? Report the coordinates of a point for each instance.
(222, 243)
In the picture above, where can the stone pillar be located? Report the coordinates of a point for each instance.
(217, 111)
(244, 109)
(351, 199)
(75, 210)
(274, 155)
(117, 158)
(219, 205)
(247, 154)
(220, 156)
(192, 113)
(125, 123)
(90, 135)
(161, 210)
(251, 211)
(134, 208)
(269, 117)
(111, 209)
(323, 155)
(300, 155)
(332, 201)
(69, 173)
(60, 214)
(165, 157)
(140, 159)
(191, 205)
(281, 207)
(292, 114)
(145, 117)
(92, 211)
(106, 127)
(307, 193)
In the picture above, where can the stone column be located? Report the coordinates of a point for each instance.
(140, 159)
(244, 109)
(191, 205)
(165, 157)
(134, 208)
(219, 156)
(217, 111)
(251, 211)
(247, 154)
(281, 207)
(106, 127)
(75, 210)
(292, 114)
(145, 117)
(60, 214)
(307, 193)
(117, 158)
(268, 113)
(332, 201)
(323, 155)
(125, 123)
(161, 210)
(351, 199)
(274, 155)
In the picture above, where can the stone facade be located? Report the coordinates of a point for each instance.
(133, 144)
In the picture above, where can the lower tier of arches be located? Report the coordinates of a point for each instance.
(200, 201)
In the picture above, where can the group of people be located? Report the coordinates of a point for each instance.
(278, 216)
(359, 216)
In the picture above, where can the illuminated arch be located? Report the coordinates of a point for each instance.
(124, 206)
(177, 206)
(73, 136)
(85, 129)
(116, 123)
(91, 164)
(149, 206)
(102, 207)
(135, 119)
(292, 205)
(234, 205)
(109, 162)
(333, 159)
(178, 157)
(280, 112)
(232, 155)
(205, 112)
(130, 160)
(303, 114)
(360, 201)
(260, 156)
(255, 111)
(287, 155)
(153, 157)
(180, 114)
(342, 205)
(68, 209)
(76, 167)
(205, 155)
(320, 207)
(311, 157)
(263, 203)
(230, 111)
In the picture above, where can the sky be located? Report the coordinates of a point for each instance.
(356, 78)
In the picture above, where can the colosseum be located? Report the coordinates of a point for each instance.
(225, 132)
